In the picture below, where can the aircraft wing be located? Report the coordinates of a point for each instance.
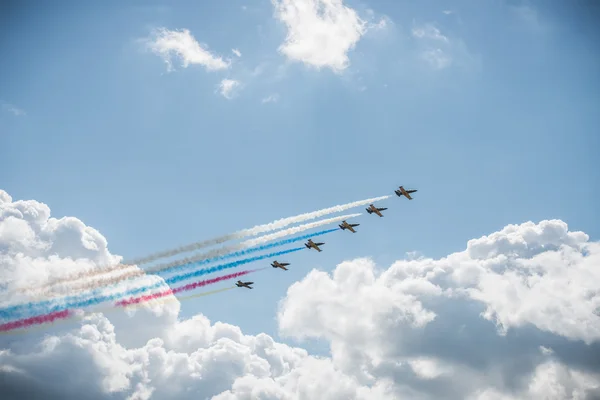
(382, 209)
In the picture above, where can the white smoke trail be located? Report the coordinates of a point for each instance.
(280, 223)
(134, 272)
(294, 230)
(249, 243)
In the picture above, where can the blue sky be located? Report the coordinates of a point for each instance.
(500, 127)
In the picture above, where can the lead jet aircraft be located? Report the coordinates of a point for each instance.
(372, 209)
(276, 264)
(244, 284)
(403, 192)
(350, 227)
(312, 245)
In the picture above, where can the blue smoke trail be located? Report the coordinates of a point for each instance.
(92, 293)
(245, 252)
(43, 307)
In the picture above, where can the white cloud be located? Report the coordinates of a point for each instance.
(236, 52)
(380, 25)
(546, 350)
(167, 44)
(272, 98)
(411, 331)
(228, 88)
(17, 112)
(320, 32)
(428, 31)
(550, 380)
(437, 58)
(439, 51)
(428, 312)
(435, 47)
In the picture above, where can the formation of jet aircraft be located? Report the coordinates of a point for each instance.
(343, 226)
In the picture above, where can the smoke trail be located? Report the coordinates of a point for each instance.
(64, 316)
(40, 319)
(160, 267)
(81, 301)
(191, 286)
(193, 296)
(202, 259)
(280, 223)
(297, 229)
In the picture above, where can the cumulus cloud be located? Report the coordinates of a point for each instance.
(320, 32)
(181, 43)
(228, 88)
(449, 321)
(421, 329)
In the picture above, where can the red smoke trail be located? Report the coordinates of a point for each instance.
(190, 286)
(40, 319)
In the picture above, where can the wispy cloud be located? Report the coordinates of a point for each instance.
(381, 24)
(228, 88)
(437, 58)
(429, 31)
(236, 52)
(438, 50)
(432, 40)
(168, 44)
(272, 98)
(17, 112)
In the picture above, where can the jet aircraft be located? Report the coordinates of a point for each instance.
(350, 227)
(276, 264)
(312, 245)
(244, 284)
(403, 192)
(372, 209)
